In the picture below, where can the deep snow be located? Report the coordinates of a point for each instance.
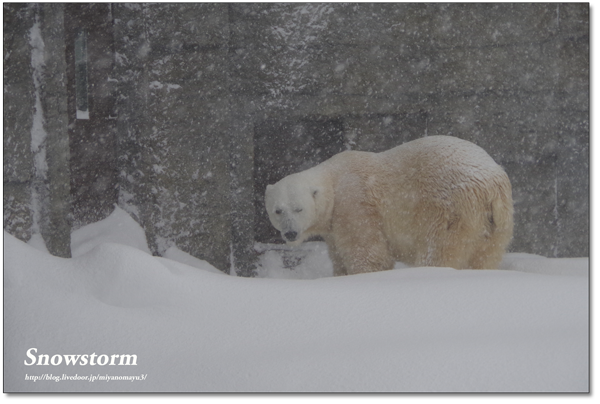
(523, 328)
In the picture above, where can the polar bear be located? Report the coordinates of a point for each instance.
(434, 201)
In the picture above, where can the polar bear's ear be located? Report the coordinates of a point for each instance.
(268, 192)
(314, 192)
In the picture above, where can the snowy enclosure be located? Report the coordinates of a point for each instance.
(523, 328)
(182, 113)
(138, 142)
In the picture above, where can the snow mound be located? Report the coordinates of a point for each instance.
(175, 254)
(523, 328)
(309, 260)
(117, 228)
(37, 242)
(537, 264)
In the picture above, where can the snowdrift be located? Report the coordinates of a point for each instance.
(192, 328)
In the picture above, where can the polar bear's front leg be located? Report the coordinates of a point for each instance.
(338, 266)
(360, 246)
(371, 257)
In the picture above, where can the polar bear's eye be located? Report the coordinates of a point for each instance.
(278, 211)
(298, 210)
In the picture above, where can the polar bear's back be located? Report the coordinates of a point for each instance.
(442, 156)
(439, 167)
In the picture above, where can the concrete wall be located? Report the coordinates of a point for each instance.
(174, 129)
(19, 102)
(36, 142)
(93, 140)
(204, 104)
(513, 78)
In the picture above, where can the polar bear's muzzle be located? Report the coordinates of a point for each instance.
(290, 235)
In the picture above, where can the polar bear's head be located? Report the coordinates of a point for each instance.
(293, 205)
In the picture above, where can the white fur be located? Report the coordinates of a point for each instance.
(435, 201)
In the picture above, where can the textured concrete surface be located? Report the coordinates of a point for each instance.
(198, 106)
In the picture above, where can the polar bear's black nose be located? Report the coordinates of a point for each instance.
(290, 235)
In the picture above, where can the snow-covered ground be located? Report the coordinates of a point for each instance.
(523, 328)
